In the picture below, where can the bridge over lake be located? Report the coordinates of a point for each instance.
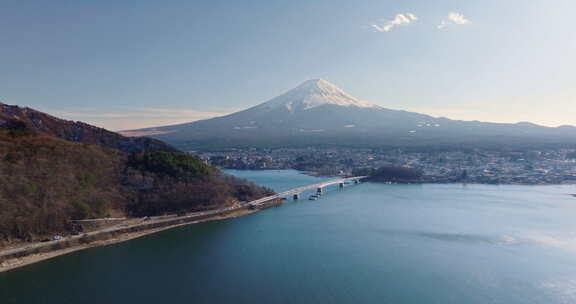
(319, 189)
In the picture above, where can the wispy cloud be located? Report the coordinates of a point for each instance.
(143, 113)
(453, 18)
(400, 19)
(137, 118)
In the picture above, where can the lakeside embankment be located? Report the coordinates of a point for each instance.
(14, 258)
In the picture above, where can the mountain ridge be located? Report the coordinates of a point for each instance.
(318, 113)
(77, 131)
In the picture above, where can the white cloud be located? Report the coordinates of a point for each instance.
(400, 19)
(458, 18)
(453, 18)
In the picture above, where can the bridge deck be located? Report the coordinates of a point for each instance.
(304, 188)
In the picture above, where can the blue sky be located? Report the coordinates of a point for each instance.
(129, 64)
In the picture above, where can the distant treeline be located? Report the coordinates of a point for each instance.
(391, 174)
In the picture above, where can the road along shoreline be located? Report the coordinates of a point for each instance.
(16, 258)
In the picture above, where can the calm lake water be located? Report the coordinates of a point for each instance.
(368, 243)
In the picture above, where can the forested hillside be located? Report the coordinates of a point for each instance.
(45, 182)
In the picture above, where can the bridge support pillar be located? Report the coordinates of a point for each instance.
(296, 196)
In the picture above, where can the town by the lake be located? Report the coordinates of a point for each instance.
(534, 167)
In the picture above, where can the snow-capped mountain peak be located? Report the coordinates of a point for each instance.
(317, 113)
(313, 93)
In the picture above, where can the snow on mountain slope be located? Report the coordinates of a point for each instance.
(314, 93)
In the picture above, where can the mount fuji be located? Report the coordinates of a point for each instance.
(318, 113)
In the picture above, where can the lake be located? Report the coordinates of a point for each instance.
(367, 243)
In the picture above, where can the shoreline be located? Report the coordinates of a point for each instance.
(424, 181)
(14, 263)
(38, 252)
